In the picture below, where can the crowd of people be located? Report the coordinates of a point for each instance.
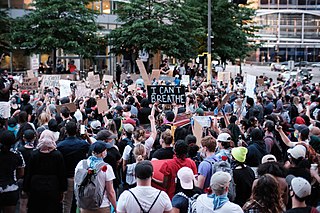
(259, 154)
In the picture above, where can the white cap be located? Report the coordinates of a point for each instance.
(297, 152)
(185, 175)
(224, 137)
(300, 186)
(268, 158)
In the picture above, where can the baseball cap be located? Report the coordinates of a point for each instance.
(119, 108)
(220, 180)
(95, 124)
(143, 170)
(200, 111)
(29, 134)
(128, 128)
(300, 186)
(239, 154)
(300, 127)
(268, 158)
(224, 137)
(98, 147)
(297, 152)
(300, 120)
(186, 177)
(105, 135)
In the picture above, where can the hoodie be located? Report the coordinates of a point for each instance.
(256, 150)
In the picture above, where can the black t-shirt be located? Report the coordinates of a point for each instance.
(26, 153)
(163, 153)
(112, 158)
(143, 115)
(5, 96)
(243, 178)
(10, 161)
(300, 210)
(27, 108)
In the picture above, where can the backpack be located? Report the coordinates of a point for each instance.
(276, 149)
(192, 202)
(131, 159)
(88, 191)
(224, 166)
(143, 211)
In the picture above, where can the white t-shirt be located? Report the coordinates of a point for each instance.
(148, 145)
(103, 177)
(205, 205)
(146, 196)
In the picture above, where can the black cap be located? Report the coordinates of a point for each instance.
(98, 147)
(144, 170)
(119, 108)
(105, 135)
(29, 135)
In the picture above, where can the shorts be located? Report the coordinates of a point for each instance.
(9, 198)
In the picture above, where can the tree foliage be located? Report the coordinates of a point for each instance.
(55, 24)
(5, 26)
(170, 26)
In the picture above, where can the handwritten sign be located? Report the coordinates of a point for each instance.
(102, 105)
(65, 89)
(166, 94)
(185, 80)
(29, 84)
(94, 81)
(250, 85)
(82, 90)
(50, 81)
(223, 76)
(143, 72)
(204, 121)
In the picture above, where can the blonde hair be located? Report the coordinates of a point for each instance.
(139, 152)
(44, 118)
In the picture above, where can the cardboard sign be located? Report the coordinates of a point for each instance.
(81, 90)
(197, 132)
(102, 105)
(50, 81)
(143, 72)
(29, 84)
(108, 78)
(250, 85)
(30, 74)
(166, 94)
(223, 76)
(65, 89)
(94, 81)
(109, 87)
(185, 80)
(71, 106)
(155, 74)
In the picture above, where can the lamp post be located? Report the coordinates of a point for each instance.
(209, 43)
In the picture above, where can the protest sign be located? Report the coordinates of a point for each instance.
(166, 94)
(30, 74)
(109, 87)
(185, 80)
(143, 72)
(50, 81)
(29, 84)
(71, 106)
(65, 89)
(108, 78)
(102, 105)
(197, 132)
(223, 76)
(204, 121)
(155, 74)
(250, 85)
(94, 81)
(81, 90)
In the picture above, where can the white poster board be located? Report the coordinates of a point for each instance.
(65, 89)
(250, 85)
(185, 80)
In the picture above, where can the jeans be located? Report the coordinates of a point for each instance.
(68, 196)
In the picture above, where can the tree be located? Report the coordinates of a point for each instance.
(5, 26)
(58, 24)
(169, 26)
(232, 27)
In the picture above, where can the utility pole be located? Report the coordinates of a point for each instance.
(209, 71)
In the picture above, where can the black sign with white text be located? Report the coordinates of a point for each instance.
(166, 94)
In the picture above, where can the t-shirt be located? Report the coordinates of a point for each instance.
(170, 169)
(180, 203)
(205, 169)
(148, 145)
(102, 178)
(146, 196)
(163, 153)
(27, 108)
(9, 162)
(3, 84)
(300, 210)
(205, 205)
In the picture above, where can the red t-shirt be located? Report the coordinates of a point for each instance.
(171, 167)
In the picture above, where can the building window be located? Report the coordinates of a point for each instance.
(106, 7)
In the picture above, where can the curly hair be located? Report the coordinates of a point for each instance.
(265, 196)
